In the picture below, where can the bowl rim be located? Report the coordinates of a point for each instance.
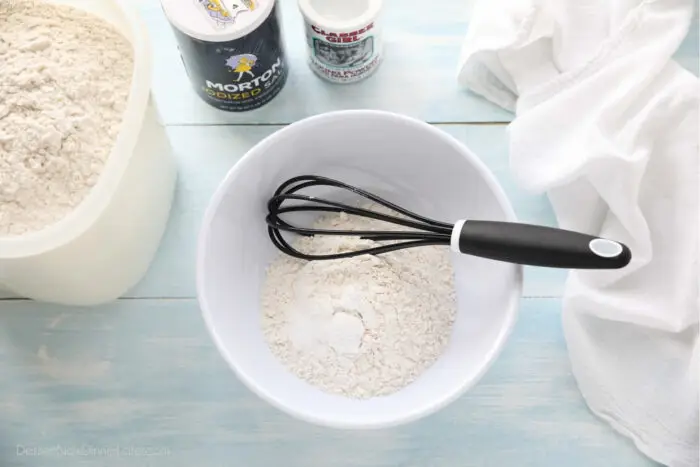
(429, 407)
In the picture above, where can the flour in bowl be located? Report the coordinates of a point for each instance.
(364, 326)
(65, 77)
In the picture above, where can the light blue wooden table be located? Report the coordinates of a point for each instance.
(139, 383)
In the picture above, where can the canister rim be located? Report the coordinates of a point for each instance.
(313, 16)
(183, 15)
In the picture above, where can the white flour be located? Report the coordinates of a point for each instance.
(363, 326)
(64, 81)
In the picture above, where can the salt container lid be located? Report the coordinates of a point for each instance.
(217, 20)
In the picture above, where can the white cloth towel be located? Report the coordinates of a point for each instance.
(607, 124)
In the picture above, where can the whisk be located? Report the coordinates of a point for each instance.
(511, 242)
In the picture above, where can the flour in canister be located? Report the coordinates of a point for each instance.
(65, 77)
(364, 326)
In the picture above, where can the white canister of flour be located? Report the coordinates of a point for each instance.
(343, 38)
(103, 247)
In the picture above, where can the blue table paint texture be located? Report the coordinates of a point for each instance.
(138, 382)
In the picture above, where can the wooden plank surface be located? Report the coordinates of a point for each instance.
(139, 383)
(144, 377)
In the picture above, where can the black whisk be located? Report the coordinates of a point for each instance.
(512, 242)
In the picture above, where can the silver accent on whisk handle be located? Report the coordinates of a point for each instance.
(456, 233)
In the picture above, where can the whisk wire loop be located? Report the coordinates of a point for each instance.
(333, 206)
(429, 231)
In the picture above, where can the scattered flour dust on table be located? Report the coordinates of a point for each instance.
(364, 326)
(64, 82)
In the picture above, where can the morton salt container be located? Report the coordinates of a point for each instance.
(231, 49)
(343, 38)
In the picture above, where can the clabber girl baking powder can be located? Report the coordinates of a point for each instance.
(232, 50)
(343, 38)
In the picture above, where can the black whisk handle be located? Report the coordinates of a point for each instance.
(535, 245)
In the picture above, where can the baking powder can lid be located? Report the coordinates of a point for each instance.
(217, 20)
(340, 15)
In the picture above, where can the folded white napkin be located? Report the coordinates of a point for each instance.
(607, 124)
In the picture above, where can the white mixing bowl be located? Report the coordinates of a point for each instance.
(404, 160)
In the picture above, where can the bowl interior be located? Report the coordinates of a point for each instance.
(405, 161)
